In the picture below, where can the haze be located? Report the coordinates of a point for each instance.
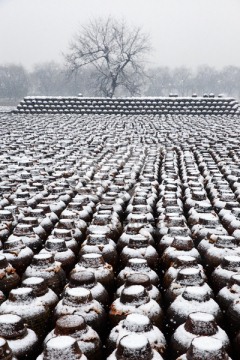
(183, 32)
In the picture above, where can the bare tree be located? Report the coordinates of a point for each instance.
(115, 50)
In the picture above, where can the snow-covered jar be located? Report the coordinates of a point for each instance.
(139, 247)
(40, 289)
(102, 270)
(62, 347)
(193, 299)
(22, 341)
(144, 280)
(185, 278)
(28, 236)
(8, 276)
(100, 244)
(79, 301)
(23, 302)
(77, 226)
(224, 246)
(181, 245)
(67, 236)
(140, 324)
(229, 293)
(17, 253)
(181, 262)
(60, 252)
(135, 299)
(229, 266)
(137, 266)
(133, 229)
(81, 211)
(6, 352)
(76, 327)
(43, 265)
(134, 346)
(203, 348)
(197, 324)
(87, 279)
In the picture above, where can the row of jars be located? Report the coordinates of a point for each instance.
(134, 218)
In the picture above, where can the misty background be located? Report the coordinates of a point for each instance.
(195, 45)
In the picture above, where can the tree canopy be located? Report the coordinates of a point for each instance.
(116, 51)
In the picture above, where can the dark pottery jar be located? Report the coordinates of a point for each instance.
(44, 294)
(140, 324)
(5, 351)
(9, 279)
(135, 299)
(137, 266)
(61, 347)
(202, 348)
(18, 254)
(87, 279)
(61, 253)
(96, 264)
(44, 266)
(22, 340)
(22, 302)
(76, 327)
(144, 280)
(134, 346)
(79, 301)
(197, 324)
(193, 299)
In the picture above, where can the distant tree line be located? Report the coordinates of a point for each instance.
(54, 79)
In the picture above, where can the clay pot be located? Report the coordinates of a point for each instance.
(140, 324)
(22, 341)
(75, 326)
(134, 346)
(44, 266)
(58, 347)
(9, 279)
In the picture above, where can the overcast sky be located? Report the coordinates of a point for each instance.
(183, 32)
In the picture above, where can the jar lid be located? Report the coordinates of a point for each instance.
(139, 279)
(77, 296)
(134, 346)
(14, 242)
(56, 245)
(134, 295)
(69, 325)
(62, 233)
(189, 277)
(38, 285)
(137, 264)
(5, 215)
(185, 261)
(22, 295)
(92, 260)
(137, 323)
(231, 262)
(5, 351)
(196, 293)
(43, 260)
(83, 278)
(225, 241)
(57, 348)
(138, 241)
(12, 326)
(204, 348)
(184, 243)
(201, 324)
(97, 239)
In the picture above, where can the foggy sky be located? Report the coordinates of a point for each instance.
(183, 32)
